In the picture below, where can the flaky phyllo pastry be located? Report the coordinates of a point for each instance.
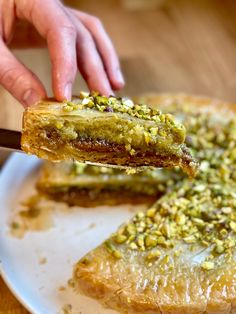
(179, 256)
(97, 129)
(86, 185)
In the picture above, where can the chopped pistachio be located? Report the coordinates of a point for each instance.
(190, 239)
(132, 152)
(117, 254)
(199, 222)
(131, 229)
(166, 259)
(88, 102)
(133, 246)
(161, 240)
(180, 219)
(120, 238)
(140, 240)
(147, 137)
(68, 108)
(155, 254)
(150, 241)
(232, 225)
(59, 125)
(154, 131)
(83, 95)
(208, 265)
(199, 188)
(151, 212)
(166, 230)
(109, 246)
(223, 232)
(177, 253)
(128, 102)
(226, 210)
(131, 170)
(229, 243)
(140, 214)
(219, 248)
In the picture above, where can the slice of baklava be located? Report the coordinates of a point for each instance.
(113, 131)
(86, 185)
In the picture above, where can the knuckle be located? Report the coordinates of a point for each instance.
(62, 29)
(68, 28)
(96, 22)
(86, 41)
(11, 77)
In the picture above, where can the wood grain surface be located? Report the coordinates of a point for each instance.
(180, 46)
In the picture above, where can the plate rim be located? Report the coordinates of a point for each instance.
(14, 157)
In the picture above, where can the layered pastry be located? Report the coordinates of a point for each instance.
(86, 185)
(180, 255)
(112, 131)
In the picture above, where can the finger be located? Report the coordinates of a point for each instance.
(53, 24)
(19, 80)
(104, 46)
(91, 66)
(89, 61)
(62, 50)
(7, 20)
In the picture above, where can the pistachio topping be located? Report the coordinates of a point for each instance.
(200, 213)
(207, 265)
(122, 105)
(158, 124)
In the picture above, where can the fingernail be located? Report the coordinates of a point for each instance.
(30, 97)
(120, 77)
(67, 91)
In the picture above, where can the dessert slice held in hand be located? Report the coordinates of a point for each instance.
(112, 131)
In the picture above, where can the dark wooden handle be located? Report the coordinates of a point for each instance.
(10, 139)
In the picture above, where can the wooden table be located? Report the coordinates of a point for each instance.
(182, 46)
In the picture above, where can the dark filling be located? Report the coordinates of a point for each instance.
(95, 197)
(101, 151)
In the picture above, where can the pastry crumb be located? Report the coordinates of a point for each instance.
(42, 260)
(61, 288)
(92, 225)
(71, 283)
(67, 309)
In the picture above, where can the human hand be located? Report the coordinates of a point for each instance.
(75, 40)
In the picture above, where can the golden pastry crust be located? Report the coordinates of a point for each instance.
(188, 277)
(187, 290)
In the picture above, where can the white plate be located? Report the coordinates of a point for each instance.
(37, 285)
